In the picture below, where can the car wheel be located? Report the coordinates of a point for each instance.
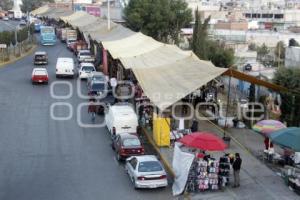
(46, 83)
(118, 156)
(134, 184)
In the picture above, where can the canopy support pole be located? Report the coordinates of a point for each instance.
(227, 106)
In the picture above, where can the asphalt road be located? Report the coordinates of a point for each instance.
(45, 159)
(8, 25)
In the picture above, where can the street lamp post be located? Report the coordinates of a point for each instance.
(108, 14)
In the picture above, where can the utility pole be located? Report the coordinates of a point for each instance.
(108, 15)
(73, 5)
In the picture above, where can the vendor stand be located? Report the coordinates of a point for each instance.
(206, 173)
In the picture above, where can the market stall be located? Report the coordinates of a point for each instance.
(206, 173)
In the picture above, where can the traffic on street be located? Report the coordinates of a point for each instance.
(43, 155)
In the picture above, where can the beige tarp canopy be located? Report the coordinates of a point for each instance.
(115, 33)
(40, 10)
(131, 46)
(74, 16)
(158, 57)
(165, 85)
(56, 13)
(83, 20)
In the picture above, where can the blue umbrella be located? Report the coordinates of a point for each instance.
(287, 137)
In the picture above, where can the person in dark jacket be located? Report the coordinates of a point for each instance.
(236, 165)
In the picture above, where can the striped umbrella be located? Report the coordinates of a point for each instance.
(266, 127)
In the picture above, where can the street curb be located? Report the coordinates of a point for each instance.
(163, 159)
(21, 57)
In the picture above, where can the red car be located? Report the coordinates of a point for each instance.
(39, 75)
(127, 145)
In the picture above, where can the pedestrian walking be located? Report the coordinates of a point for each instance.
(236, 165)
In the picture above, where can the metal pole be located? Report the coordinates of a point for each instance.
(108, 15)
(227, 106)
(73, 5)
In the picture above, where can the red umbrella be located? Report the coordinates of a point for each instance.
(204, 140)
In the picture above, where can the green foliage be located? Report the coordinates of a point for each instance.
(29, 5)
(6, 37)
(289, 78)
(199, 40)
(6, 4)
(280, 50)
(293, 43)
(160, 19)
(207, 49)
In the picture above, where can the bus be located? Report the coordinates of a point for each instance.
(48, 36)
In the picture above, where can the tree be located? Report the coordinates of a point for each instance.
(262, 52)
(199, 40)
(293, 43)
(207, 49)
(6, 4)
(160, 19)
(290, 107)
(280, 50)
(29, 5)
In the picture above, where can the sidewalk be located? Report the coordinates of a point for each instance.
(257, 180)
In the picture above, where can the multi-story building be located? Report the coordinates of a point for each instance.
(274, 18)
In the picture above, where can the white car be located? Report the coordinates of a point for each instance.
(5, 19)
(85, 56)
(146, 172)
(85, 70)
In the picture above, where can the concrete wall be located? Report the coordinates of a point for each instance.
(292, 57)
(243, 25)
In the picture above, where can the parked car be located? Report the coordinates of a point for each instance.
(95, 76)
(127, 145)
(23, 23)
(146, 172)
(65, 67)
(40, 58)
(85, 70)
(39, 75)
(85, 56)
(97, 88)
(121, 118)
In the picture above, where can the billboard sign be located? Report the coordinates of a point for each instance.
(93, 10)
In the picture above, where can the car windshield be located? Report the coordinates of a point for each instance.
(85, 53)
(149, 166)
(88, 69)
(98, 86)
(47, 30)
(40, 57)
(131, 142)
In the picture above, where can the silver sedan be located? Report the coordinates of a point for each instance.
(146, 172)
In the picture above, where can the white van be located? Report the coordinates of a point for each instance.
(121, 119)
(65, 67)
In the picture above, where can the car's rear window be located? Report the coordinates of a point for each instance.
(40, 72)
(98, 78)
(87, 68)
(98, 86)
(149, 166)
(40, 57)
(131, 142)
